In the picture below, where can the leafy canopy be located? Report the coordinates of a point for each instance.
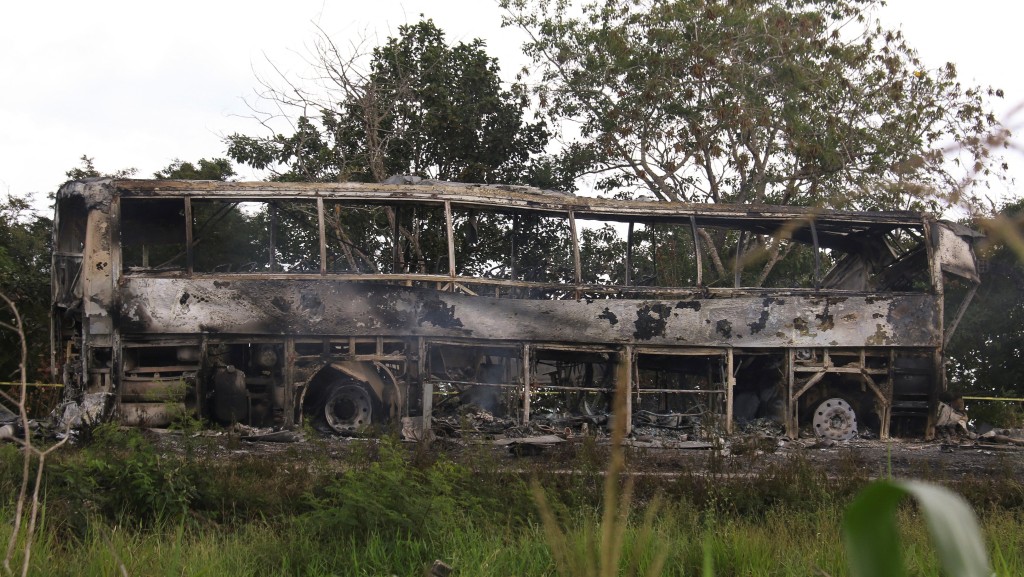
(422, 107)
(986, 348)
(88, 170)
(25, 279)
(756, 101)
(204, 169)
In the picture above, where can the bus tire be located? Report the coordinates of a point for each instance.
(348, 408)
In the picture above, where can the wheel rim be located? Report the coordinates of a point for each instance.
(348, 409)
(835, 419)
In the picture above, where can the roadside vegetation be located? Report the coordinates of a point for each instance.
(116, 505)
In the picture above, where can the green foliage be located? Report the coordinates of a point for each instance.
(456, 121)
(213, 169)
(25, 279)
(88, 170)
(422, 107)
(608, 547)
(124, 479)
(782, 543)
(989, 342)
(230, 236)
(391, 496)
(484, 523)
(1003, 414)
(872, 540)
(11, 463)
(795, 484)
(805, 102)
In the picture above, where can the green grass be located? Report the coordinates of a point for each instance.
(388, 511)
(782, 543)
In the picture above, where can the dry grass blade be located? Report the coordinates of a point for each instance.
(29, 451)
(610, 542)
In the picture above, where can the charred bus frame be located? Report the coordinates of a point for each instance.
(382, 318)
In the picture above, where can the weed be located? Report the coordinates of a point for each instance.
(387, 494)
(122, 477)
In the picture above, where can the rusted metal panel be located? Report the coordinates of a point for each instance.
(334, 307)
(954, 250)
(150, 414)
(98, 283)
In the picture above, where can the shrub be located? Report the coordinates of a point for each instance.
(392, 496)
(121, 477)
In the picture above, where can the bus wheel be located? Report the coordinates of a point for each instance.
(835, 419)
(349, 408)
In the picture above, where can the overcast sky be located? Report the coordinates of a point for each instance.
(138, 84)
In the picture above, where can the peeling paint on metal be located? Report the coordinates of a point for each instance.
(651, 321)
(438, 314)
(724, 328)
(608, 316)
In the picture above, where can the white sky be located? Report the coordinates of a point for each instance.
(138, 84)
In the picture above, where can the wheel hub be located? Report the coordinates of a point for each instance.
(835, 419)
(348, 409)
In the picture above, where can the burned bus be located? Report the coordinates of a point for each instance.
(350, 305)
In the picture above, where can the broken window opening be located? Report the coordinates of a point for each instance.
(385, 239)
(522, 247)
(770, 255)
(476, 378)
(296, 236)
(663, 256)
(679, 391)
(67, 251)
(893, 260)
(544, 249)
(230, 236)
(602, 252)
(71, 225)
(359, 237)
(787, 264)
(422, 239)
(153, 234)
(571, 384)
(483, 243)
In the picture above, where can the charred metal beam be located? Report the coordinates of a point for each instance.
(629, 253)
(697, 251)
(737, 268)
(321, 229)
(511, 197)
(450, 237)
(817, 256)
(577, 265)
(189, 248)
(272, 258)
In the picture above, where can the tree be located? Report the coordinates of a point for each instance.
(88, 170)
(803, 102)
(25, 279)
(213, 169)
(986, 349)
(420, 107)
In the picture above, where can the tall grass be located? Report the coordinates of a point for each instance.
(782, 543)
(385, 510)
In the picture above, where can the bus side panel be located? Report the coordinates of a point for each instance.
(336, 307)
